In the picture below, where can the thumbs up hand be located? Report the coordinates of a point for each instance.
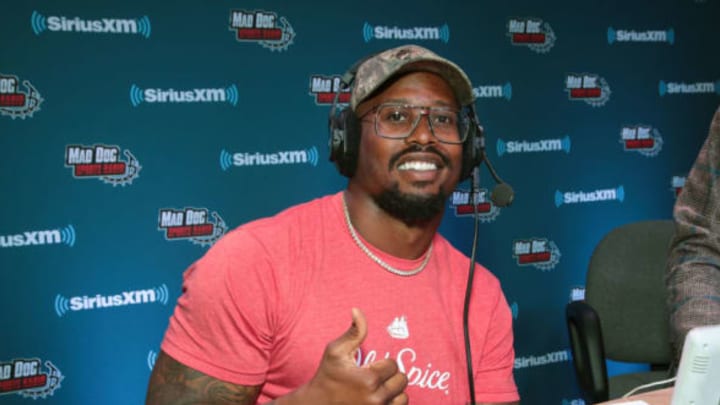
(339, 380)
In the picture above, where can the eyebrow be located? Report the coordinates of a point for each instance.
(440, 103)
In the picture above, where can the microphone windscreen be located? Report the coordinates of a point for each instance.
(502, 195)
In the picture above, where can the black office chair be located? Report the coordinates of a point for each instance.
(624, 315)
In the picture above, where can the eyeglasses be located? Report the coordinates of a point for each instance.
(398, 121)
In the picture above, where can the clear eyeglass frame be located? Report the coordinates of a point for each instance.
(451, 133)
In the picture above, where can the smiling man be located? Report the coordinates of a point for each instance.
(353, 298)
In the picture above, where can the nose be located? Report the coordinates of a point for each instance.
(422, 133)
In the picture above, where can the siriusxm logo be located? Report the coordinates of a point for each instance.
(38, 238)
(125, 298)
(151, 358)
(514, 310)
(544, 145)
(289, 157)
(614, 35)
(542, 360)
(217, 95)
(577, 197)
(497, 91)
(140, 26)
(414, 33)
(688, 88)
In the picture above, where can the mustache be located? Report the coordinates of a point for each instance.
(414, 148)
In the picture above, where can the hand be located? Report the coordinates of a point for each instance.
(339, 380)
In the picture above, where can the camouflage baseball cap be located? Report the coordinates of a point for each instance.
(376, 70)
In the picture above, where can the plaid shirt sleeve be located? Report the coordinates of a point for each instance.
(693, 273)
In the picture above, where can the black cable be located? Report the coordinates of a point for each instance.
(468, 291)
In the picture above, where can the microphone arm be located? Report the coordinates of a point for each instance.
(502, 195)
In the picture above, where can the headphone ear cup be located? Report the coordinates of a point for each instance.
(472, 154)
(336, 139)
(344, 141)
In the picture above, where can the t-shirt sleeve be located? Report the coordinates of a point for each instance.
(221, 326)
(494, 381)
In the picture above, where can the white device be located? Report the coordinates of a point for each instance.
(698, 377)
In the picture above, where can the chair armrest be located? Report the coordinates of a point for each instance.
(588, 352)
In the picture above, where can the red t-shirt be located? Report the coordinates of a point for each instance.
(262, 304)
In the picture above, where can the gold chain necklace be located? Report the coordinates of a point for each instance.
(371, 255)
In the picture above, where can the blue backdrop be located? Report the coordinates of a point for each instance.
(135, 133)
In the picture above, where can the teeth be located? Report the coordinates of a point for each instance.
(414, 165)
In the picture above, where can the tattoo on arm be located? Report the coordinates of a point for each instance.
(174, 383)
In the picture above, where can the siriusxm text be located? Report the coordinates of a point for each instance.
(105, 301)
(264, 159)
(105, 25)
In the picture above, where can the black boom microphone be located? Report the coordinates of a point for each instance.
(502, 194)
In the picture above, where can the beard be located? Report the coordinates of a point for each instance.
(409, 208)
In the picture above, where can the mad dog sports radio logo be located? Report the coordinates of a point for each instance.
(642, 139)
(463, 204)
(263, 27)
(227, 94)
(677, 183)
(153, 295)
(102, 162)
(381, 32)
(537, 35)
(537, 252)
(577, 293)
(326, 88)
(191, 224)
(15, 103)
(133, 26)
(26, 377)
(589, 88)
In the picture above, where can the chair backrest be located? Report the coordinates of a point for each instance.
(626, 286)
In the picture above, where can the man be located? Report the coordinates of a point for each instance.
(694, 264)
(352, 298)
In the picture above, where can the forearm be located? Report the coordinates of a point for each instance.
(694, 294)
(693, 279)
(174, 383)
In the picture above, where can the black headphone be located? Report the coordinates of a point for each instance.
(344, 128)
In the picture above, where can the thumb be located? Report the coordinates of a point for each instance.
(353, 337)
